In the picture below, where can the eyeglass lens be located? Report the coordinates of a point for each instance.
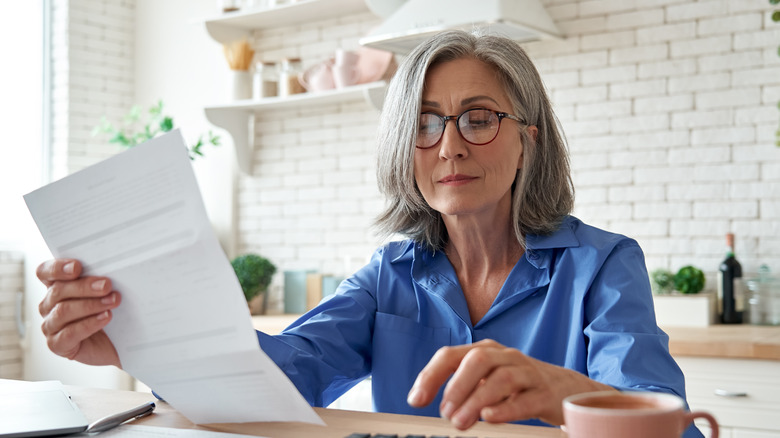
(476, 126)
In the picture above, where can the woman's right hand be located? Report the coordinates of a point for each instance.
(75, 310)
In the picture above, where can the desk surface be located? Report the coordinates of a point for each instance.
(96, 403)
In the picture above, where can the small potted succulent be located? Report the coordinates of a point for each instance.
(678, 298)
(254, 273)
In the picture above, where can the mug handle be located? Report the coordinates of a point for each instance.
(689, 417)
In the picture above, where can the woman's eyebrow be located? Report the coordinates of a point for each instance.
(469, 100)
(465, 101)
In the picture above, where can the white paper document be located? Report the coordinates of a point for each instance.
(183, 327)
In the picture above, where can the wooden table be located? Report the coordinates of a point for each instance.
(96, 403)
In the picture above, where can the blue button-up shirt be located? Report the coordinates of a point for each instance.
(579, 298)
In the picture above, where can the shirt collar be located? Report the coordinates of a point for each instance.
(563, 237)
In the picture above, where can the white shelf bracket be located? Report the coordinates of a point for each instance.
(239, 123)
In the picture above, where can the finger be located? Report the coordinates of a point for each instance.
(483, 378)
(87, 287)
(69, 311)
(58, 269)
(67, 342)
(478, 362)
(441, 366)
(518, 406)
(503, 383)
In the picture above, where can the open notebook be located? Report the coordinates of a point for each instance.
(32, 409)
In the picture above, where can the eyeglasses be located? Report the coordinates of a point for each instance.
(477, 126)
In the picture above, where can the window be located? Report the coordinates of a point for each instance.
(22, 156)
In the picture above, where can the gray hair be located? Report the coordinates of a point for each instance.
(543, 193)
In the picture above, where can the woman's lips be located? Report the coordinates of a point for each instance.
(456, 180)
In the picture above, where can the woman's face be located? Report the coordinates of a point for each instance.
(457, 178)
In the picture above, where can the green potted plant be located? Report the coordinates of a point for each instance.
(662, 281)
(678, 299)
(254, 273)
(134, 131)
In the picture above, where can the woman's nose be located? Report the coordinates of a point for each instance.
(452, 144)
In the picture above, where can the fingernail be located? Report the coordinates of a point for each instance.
(414, 397)
(69, 268)
(446, 410)
(98, 285)
(102, 315)
(108, 299)
(462, 420)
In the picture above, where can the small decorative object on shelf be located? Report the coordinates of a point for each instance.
(677, 298)
(288, 77)
(239, 56)
(662, 281)
(266, 80)
(688, 280)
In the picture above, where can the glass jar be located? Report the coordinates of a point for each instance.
(288, 77)
(266, 80)
(764, 301)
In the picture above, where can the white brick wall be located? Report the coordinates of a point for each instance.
(92, 68)
(703, 104)
(668, 106)
(11, 282)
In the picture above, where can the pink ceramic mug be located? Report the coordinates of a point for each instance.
(612, 414)
(318, 77)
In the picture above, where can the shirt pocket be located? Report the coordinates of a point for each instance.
(401, 348)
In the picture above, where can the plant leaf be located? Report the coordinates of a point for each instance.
(166, 124)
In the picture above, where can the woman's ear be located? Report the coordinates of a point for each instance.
(533, 131)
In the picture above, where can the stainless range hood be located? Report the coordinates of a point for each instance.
(416, 20)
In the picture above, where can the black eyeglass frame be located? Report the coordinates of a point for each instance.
(501, 115)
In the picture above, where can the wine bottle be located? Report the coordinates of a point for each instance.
(730, 297)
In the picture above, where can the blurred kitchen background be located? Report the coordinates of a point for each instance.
(669, 107)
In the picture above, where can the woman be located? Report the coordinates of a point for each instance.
(497, 292)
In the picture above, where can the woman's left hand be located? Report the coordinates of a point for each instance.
(498, 384)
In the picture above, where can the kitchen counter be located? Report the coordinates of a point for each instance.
(723, 341)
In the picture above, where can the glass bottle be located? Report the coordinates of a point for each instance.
(266, 80)
(730, 294)
(288, 77)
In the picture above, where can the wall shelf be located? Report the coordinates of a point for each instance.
(238, 117)
(236, 25)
